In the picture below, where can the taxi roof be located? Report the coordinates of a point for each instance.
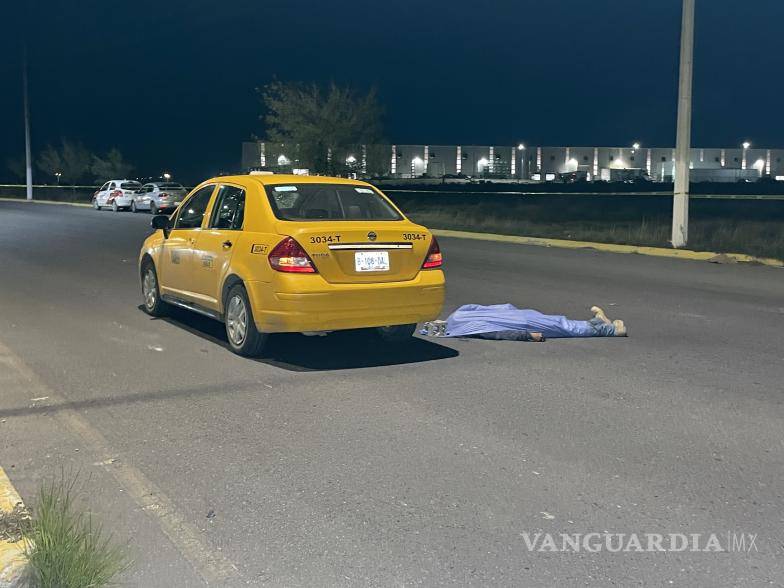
(271, 179)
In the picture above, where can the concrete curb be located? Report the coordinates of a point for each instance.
(13, 562)
(82, 204)
(612, 248)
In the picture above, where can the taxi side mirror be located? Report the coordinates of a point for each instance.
(161, 221)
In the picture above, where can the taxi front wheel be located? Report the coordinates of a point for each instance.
(153, 305)
(396, 333)
(244, 338)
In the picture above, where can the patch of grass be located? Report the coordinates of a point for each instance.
(751, 227)
(66, 548)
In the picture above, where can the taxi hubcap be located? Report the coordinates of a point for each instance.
(148, 288)
(237, 320)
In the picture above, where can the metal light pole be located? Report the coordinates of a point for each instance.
(680, 203)
(28, 156)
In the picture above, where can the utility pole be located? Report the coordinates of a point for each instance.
(28, 156)
(680, 202)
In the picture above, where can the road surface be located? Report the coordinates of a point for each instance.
(336, 463)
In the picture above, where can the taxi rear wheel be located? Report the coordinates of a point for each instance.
(153, 305)
(244, 338)
(397, 333)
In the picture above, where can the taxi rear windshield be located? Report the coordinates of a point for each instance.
(312, 202)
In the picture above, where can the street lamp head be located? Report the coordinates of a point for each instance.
(520, 147)
(636, 146)
(166, 176)
(746, 144)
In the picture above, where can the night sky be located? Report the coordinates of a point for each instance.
(171, 82)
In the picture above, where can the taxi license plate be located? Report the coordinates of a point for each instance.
(371, 261)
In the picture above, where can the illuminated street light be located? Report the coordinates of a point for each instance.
(636, 146)
(57, 175)
(351, 159)
(521, 147)
(745, 146)
(166, 176)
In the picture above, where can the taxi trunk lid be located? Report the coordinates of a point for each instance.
(333, 247)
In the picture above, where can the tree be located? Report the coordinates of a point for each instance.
(112, 165)
(76, 161)
(72, 160)
(324, 125)
(17, 166)
(49, 161)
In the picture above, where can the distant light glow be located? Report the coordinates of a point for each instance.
(759, 165)
(283, 160)
(417, 160)
(746, 144)
(166, 176)
(636, 146)
(351, 159)
(521, 147)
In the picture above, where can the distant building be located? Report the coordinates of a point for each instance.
(537, 163)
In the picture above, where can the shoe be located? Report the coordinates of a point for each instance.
(620, 328)
(599, 313)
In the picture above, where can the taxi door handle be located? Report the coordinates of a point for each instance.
(227, 244)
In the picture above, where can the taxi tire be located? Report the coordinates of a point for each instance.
(115, 208)
(161, 308)
(96, 205)
(153, 208)
(133, 206)
(396, 334)
(254, 341)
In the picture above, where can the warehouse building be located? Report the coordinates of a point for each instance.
(743, 163)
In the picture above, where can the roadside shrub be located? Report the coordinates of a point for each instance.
(65, 547)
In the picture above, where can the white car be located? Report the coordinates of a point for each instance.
(118, 194)
(159, 197)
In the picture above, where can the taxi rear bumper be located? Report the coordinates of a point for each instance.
(307, 302)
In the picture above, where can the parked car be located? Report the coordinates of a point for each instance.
(287, 253)
(118, 194)
(158, 197)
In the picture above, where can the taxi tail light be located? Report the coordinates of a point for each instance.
(434, 258)
(164, 195)
(115, 194)
(289, 256)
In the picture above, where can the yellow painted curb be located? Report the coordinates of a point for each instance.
(13, 562)
(611, 247)
(5, 199)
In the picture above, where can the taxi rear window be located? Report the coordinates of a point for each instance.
(340, 202)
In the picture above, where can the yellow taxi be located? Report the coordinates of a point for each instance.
(288, 253)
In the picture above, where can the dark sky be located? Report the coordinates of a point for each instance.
(171, 82)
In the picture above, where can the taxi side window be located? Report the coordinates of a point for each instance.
(229, 210)
(192, 212)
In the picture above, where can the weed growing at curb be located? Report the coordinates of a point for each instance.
(65, 547)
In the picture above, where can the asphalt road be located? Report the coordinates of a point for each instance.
(336, 463)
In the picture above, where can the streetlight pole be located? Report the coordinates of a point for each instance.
(28, 156)
(680, 203)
